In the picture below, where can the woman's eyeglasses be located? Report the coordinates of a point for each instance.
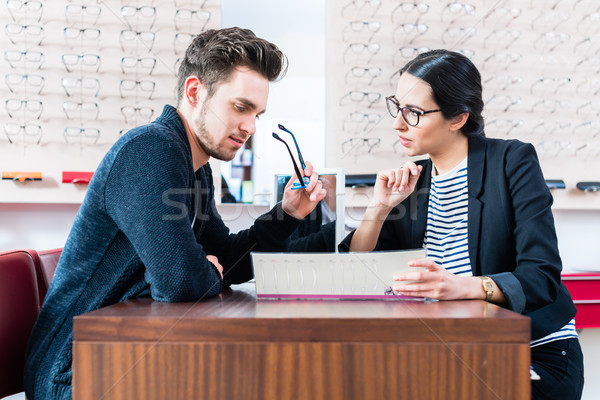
(410, 115)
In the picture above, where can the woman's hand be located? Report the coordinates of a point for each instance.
(394, 185)
(300, 202)
(438, 283)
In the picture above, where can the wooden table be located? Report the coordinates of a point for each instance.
(235, 347)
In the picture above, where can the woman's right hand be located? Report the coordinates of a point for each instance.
(394, 185)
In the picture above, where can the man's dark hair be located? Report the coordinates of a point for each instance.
(213, 55)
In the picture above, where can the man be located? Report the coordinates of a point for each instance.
(148, 225)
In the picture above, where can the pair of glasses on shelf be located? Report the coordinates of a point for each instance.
(302, 181)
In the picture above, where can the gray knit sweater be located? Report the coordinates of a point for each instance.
(146, 225)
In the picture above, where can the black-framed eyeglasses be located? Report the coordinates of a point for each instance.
(303, 181)
(410, 115)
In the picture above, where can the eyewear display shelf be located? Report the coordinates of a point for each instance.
(76, 75)
(539, 64)
(235, 347)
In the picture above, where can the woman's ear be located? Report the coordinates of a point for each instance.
(459, 121)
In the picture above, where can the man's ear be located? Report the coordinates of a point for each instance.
(194, 91)
(459, 121)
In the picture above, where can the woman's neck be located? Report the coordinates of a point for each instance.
(451, 155)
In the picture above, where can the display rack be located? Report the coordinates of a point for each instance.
(79, 74)
(539, 63)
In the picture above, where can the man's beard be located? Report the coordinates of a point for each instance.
(206, 142)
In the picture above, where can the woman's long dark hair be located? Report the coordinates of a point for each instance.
(456, 85)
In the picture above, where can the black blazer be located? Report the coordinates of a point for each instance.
(510, 229)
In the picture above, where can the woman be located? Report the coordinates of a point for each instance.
(480, 207)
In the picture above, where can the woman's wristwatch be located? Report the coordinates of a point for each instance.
(488, 287)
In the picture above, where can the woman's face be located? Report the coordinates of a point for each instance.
(431, 135)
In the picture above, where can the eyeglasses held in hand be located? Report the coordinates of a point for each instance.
(410, 115)
(305, 180)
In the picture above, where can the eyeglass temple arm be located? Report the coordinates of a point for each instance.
(296, 169)
(283, 128)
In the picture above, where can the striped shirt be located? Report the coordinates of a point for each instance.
(446, 235)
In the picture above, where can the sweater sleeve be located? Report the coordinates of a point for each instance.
(148, 195)
(270, 232)
(536, 279)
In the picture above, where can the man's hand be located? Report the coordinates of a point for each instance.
(215, 261)
(300, 202)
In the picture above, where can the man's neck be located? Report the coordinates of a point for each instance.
(199, 157)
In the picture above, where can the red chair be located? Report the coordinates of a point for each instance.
(19, 308)
(46, 265)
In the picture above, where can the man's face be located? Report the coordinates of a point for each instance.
(224, 122)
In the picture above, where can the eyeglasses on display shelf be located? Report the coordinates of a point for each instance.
(128, 87)
(587, 45)
(29, 108)
(20, 10)
(357, 146)
(501, 38)
(82, 14)
(86, 86)
(85, 110)
(24, 59)
(590, 128)
(404, 54)
(588, 86)
(407, 33)
(550, 106)
(410, 114)
(360, 122)
(73, 134)
(29, 131)
(139, 16)
(361, 7)
(588, 64)
(588, 25)
(360, 30)
(137, 115)
(457, 11)
(456, 36)
(24, 84)
(549, 21)
(187, 3)
(551, 40)
(591, 107)
(546, 128)
(19, 34)
(91, 62)
(192, 19)
(553, 148)
(502, 82)
(470, 54)
(355, 96)
(131, 40)
(548, 85)
(503, 102)
(77, 37)
(407, 9)
(181, 41)
(359, 52)
(501, 60)
(144, 65)
(501, 16)
(363, 74)
(502, 126)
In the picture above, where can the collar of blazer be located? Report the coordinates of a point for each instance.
(476, 165)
